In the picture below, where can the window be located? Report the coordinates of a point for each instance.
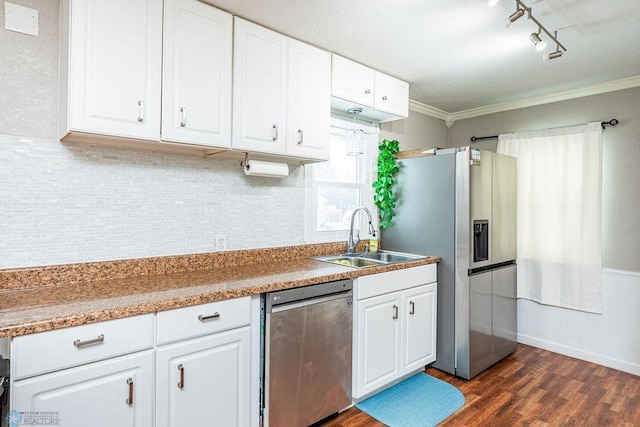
(334, 189)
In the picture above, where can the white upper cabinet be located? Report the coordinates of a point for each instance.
(391, 95)
(308, 101)
(381, 97)
(259, 89)
(352, 81)
(281, 94)
(111, 53)
(196, 80)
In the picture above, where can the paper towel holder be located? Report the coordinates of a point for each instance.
(264, 168)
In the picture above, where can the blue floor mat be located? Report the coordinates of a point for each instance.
(418, 401)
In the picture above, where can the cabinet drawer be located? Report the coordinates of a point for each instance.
(189, 322)
(392, 281)
(53, 350)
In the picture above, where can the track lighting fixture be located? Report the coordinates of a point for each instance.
(537, 41)
(514, 16)
(552, 55)
(535, 38)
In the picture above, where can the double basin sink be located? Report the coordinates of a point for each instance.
(369, 259)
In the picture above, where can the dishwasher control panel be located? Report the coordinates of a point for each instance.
(307, 292)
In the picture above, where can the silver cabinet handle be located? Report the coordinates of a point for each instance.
(367, 91)
(384, 98)
(275, 132)
(181, 383)
(80, 344)
(140, 111)
(213, 316)
(412, 310)
(300, 136)
(183, 116)
(130, 384)
(395, 310)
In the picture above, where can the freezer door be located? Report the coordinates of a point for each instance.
(480, 331)
(504, 208)
(504, 311)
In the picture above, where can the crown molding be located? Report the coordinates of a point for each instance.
(611, 86)
(428, 110)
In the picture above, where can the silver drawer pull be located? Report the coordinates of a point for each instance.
(183, 116)
(300, 136)
(395, 311)
(140, 111)
(181, 383)
(130, 384)
(384, 98)
(275, 132)
(80, 344)
(213, 316)
(413, 308)
(367, 91)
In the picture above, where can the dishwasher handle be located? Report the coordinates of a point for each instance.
(306, 302)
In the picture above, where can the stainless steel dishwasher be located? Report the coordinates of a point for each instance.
(307, 353)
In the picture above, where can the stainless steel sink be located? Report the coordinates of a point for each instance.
(369, 259)
(353, 260)
(391, 257)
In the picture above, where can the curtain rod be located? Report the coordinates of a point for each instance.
(611, 122)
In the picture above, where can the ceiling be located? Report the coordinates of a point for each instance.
(458, 55)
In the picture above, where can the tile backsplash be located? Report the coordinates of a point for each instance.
(65, 203)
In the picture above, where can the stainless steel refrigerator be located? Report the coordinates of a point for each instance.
(460, 204)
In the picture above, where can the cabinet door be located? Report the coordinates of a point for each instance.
(196, 84)
(204, 381)
(114, 392)
(352, 81)
(114, 76)
(259, 89)
(419, 333)
(378, 326)
(391, 95)
(309, 101)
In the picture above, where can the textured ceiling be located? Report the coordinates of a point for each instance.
(458, 54)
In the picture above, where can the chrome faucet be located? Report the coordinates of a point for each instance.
(352, 242)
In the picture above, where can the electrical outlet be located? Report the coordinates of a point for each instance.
(221, 243)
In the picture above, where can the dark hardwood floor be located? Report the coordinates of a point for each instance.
(534, 387)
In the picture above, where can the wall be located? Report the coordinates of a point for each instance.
(417, 131)
(611, 338)
(63, 203)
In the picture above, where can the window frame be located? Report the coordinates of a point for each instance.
(366, 173)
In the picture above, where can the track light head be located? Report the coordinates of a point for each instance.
(514, 16)
(552, 55)
(537, 41)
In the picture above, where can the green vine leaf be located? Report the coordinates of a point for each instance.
(384, 198)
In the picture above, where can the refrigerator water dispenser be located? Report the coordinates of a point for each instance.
(480, 240)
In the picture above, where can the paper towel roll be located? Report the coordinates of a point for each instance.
(268, 169)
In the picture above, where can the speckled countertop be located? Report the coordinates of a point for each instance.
(45, 298)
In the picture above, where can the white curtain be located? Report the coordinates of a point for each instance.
(559, 215)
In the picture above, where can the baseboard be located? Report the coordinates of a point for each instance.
(609, 362)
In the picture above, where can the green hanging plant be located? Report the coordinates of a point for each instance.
(387, 169)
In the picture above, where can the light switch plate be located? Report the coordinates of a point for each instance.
(20, 19)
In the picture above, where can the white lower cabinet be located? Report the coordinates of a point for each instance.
(99, 375)
(200, 372)
(204, 381)
(114, 392)
(203, 372)
(395, 327)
